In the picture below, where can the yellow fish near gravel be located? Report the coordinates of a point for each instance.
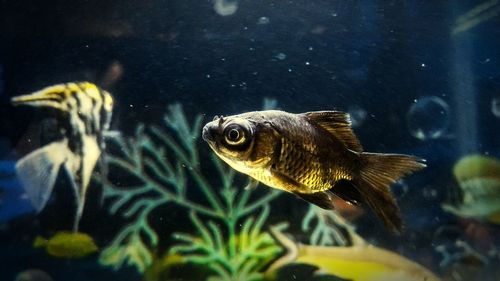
(65, 244)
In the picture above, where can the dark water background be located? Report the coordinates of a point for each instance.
(310, 55)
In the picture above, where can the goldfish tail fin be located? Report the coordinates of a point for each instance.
(38, 172)
(39, 242)
(378, 172)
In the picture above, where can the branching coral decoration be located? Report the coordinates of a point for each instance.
(230, 240)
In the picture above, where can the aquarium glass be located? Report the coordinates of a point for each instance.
(371, 150)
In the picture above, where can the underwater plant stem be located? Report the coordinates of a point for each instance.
(154, 185)
(134, 229)
(188, 204)
(242, 202)
(204, 186)
(271, 195)
(144, 224)
(231, 224)
(292, 251)
(193, 168)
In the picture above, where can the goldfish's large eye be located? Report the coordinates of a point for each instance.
(234, 134)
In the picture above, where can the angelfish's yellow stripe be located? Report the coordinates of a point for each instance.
(108, 101)
(53, 90)
(91, 90)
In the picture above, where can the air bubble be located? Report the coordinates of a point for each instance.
(400, 188)
(280, 56)
(428, 118)
(495, 106)
(225, 7)
(357, 114)
(263, 21)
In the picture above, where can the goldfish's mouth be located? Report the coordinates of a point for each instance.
(210, 132)
(211, 143)
(206, 135)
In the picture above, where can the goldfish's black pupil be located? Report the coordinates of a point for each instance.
(233, 135)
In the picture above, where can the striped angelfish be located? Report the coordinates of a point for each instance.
(85, 112)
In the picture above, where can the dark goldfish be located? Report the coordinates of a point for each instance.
(314, 155)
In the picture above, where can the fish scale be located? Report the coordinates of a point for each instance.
(307, 168)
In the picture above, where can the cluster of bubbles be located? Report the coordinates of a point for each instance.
(428, 118)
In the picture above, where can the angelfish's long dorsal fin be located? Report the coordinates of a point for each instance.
(38, 172)
(338, 124)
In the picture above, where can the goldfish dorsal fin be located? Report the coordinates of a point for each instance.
(338, 124)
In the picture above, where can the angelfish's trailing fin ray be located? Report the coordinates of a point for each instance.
(39, 183)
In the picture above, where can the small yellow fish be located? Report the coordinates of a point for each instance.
(67, 245)
(314, 155)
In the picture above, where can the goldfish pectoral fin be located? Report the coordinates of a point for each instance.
(348, 192)
(38, 172)
(322, 199)
(252, 184)
(287, 179)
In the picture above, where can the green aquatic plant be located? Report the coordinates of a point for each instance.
(229, 239)
(325, 232)
(327, 228)
(459, 250)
